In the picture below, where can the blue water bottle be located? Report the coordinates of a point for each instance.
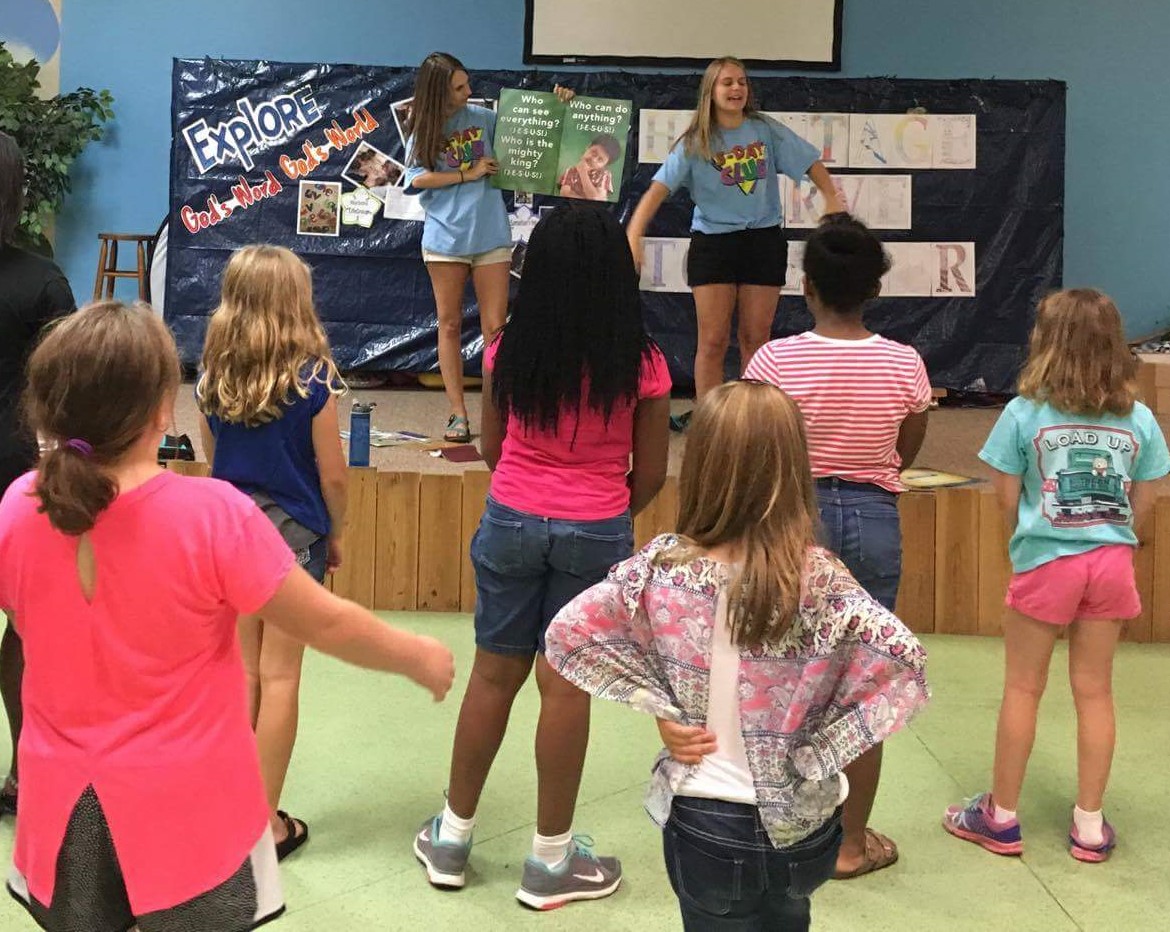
(359, 434)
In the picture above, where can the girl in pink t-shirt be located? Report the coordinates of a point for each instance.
(141, 797)
(575, 387)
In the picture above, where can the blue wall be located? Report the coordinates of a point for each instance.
(1118, 186)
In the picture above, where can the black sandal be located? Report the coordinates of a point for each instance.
(8, 797)
(292, 840)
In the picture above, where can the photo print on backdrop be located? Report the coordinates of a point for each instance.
(319, 208)
(374, 170)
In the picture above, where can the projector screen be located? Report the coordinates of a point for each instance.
(764, 33)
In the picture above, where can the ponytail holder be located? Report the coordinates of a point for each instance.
(81, 446)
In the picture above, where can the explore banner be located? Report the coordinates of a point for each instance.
(964, 180)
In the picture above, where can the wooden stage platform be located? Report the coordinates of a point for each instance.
(409, 534)
(413, 515)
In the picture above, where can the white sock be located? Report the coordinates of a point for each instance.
(551, 850)
(1004, 815)
(454, 830)
(1090, 826)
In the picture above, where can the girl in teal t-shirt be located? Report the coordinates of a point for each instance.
(1074, 457)
(450, 160)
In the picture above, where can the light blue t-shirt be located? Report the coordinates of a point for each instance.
(739, 189)
(469, 218)
(1076, 471)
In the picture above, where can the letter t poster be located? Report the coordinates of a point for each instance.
(573, 150)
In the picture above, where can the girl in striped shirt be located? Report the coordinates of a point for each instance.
(864, 400)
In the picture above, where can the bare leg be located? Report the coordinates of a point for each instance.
(863, 775)
(251, 631)
(1028, 645)
(491, 293)
(714, 306)
(483, 719)
(276, 722)
(757, 310)
(11, 677)
(449, 280)
(562, 737)
(1090, 671)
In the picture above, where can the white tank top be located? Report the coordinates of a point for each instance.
(724, 774)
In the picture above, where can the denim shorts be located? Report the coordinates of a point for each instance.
(527, 568)
(312, 559)
(727, 874)
(860, 523)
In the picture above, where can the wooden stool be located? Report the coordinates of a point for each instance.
(108, 271)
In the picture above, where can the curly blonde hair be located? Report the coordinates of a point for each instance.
(264, 341)
(1078, 360)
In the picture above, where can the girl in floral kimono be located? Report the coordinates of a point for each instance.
(769, 668)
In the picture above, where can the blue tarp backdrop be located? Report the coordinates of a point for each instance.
(247, 133)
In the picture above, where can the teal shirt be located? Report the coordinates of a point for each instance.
(470, 218)
(740, 188)
(1077, 471)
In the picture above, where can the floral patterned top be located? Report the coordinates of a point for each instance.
(845, 676)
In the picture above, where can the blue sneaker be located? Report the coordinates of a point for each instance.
(445, 862)
(582, 876)
(975, 822)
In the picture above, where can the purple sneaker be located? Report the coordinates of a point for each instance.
(1092, 854)
(976, 822)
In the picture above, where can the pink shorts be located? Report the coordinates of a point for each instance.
(1093, 586)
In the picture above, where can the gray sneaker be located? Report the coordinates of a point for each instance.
(445, 862)
(582, 876)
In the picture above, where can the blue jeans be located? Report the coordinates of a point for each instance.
(859, 523)
(727, 874)
(527, 568)
(312, 559)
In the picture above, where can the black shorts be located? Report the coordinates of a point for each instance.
(745, 257)
(90, 890)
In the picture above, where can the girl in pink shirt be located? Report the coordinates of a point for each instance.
(575, 388)
(141, 799)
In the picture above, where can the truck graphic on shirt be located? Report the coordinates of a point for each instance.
(1089, 488)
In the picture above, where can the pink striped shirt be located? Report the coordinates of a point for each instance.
(854, 395)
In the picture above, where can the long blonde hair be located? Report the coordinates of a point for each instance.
(697, 139)
(264, 341)
(1078, 360)
(428, 110)
(745, 478)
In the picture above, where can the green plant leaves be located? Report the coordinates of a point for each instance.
(52, 133)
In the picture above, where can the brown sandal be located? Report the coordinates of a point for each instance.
(880, 853)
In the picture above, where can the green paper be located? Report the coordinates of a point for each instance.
(540, 140)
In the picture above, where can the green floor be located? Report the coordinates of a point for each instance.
(373, 752)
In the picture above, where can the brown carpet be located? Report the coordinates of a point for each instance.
(952, 440)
